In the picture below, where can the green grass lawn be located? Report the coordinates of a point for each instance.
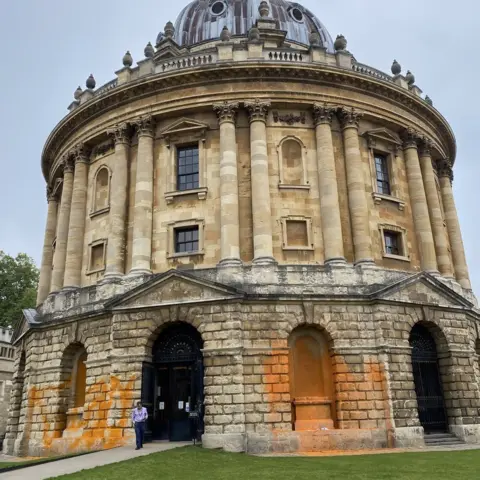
(27, 463)
(193, 463)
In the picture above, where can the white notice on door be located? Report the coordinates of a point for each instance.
(180, 405)
(161, 406)
(187, 407)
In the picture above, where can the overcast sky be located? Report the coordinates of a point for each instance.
(49, 47)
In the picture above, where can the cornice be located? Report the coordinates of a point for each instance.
(239, 72)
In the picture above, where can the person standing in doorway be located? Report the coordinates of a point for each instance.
(139, 417)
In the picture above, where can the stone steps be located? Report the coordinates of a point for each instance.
(442, 440)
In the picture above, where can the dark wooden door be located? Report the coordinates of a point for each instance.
(428, 385)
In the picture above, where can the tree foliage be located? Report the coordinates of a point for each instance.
(18, 286)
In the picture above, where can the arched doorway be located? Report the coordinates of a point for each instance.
(428, 384)
(172, 385)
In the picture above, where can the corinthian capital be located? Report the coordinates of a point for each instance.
(120, 133)
(80, 153)
(445, 168)
(410, 138)
(426, 146)
(51, 194)
(350, 118)
(68, 165)
(323, 113)
(145, 126)
(257, 109)
(226, 111)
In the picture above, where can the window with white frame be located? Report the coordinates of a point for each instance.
(394, 242)
(185, 238)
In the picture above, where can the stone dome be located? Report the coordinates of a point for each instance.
(204, 20)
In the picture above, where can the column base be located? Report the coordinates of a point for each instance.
(336, 262)
(111, 278)
(264, 261)
(139, 272)
(70, 288)
(433, 273)
(230, 262)
(366, 264)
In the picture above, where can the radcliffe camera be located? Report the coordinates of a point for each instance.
(250, 249)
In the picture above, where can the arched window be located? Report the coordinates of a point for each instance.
(291, 154)
(311, 380)
(101, 199)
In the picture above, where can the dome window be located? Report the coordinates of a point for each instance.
(218, 8)
(296, 14)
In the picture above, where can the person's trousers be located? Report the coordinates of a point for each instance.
(139, 433)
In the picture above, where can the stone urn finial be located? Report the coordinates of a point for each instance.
(340, 43)
(428, 101)
(396, 68)
(410, 77)
(264, 9)
(91, 82)
(127, 59)
(254, 34)
(149, 51)
(169, 30)
(78, 93)
(314, 38)
(225, 36)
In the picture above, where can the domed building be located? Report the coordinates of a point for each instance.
(256, 235)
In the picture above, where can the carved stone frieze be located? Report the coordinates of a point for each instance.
(226, 111)
(349, 117)
(257, 109)
(323, 113)
(289, 118)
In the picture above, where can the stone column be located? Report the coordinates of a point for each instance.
(418, 202)
(142, 213)
(118, 203)
(60, 254)
(76, 229)
(47, 255)
(229, 212)
(357, 197)
(261, 208)
(327, 184)
(434, 210)
(445, 174)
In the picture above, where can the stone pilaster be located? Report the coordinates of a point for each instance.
(142, 220)
(76, 229)
(47, 255)
(357, 197)
(327, 184)
(60, 254)
(434, 210)
(261, 207)
(229, 211)
(445, 174)
(118, 203)
(418, 202)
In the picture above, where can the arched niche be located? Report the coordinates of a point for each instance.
(311, 380)
(292, 163)
(101, 190)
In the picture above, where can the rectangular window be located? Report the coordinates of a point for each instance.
(187, 239)
(187, 168)
(393, 243)
(383, 179)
